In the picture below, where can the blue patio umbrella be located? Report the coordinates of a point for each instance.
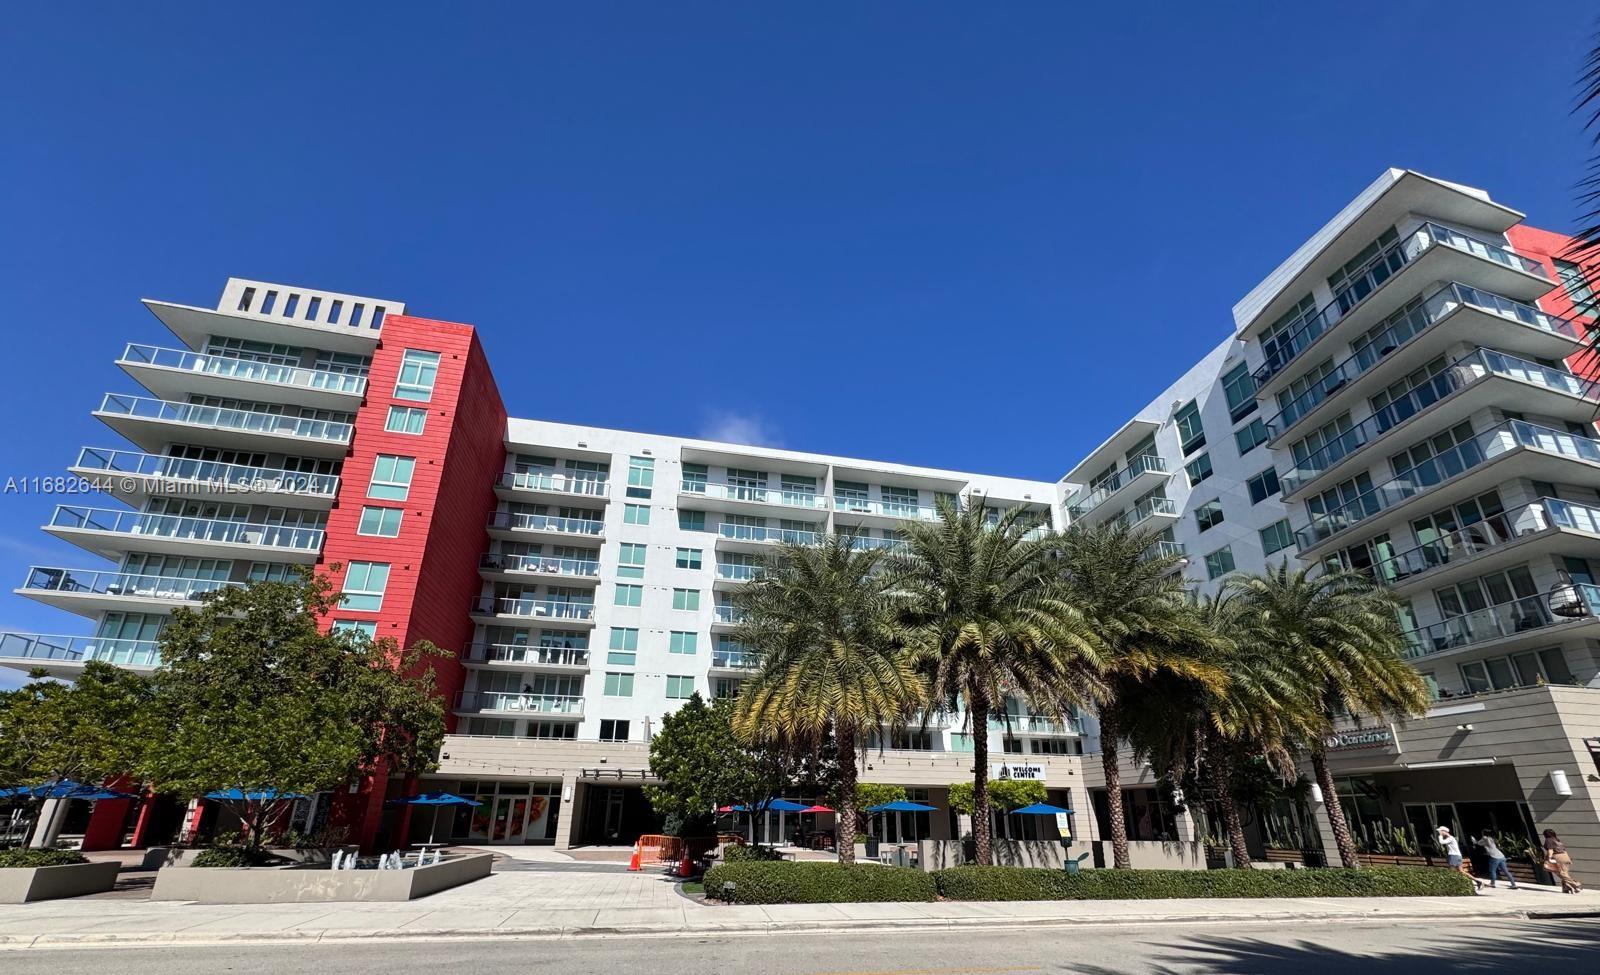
(63, 789)
(436, 800)
(252, 795)
(901, 805)
(785, 805)
(1041, 809)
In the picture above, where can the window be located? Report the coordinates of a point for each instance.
(565, 730)
(364, 585)
(636, 514)
(688, 558)
(624, 646)
(1190, 433)
(1209, 515)
(1239, 386)
(1220, 562)
(1199, 469)
(613, 729)
(619, 684)
(630, 560)
(686, 599)
(366, 628)
(418, 370)
(1263, 485)
(679, 688)
(1575, 284)
(641, 476)
(628, 595)
(1276, 537)
(391, 477)
(682, 642)
(692, 521)
(382, 522)
(405, 419)
(694, 478)
(1250, 437)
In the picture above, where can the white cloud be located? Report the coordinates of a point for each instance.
(750, 429)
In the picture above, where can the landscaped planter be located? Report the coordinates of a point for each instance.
(19, 885)
(302, 885)
(184, 856)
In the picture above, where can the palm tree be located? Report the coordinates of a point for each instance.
(1144, 629)
(1340, 635)
(822, 618)
(984, 621)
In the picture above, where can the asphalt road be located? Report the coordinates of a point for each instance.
(1306, 949)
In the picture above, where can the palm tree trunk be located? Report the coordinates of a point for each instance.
(844, 827)
(1220, 761)
(1330, 801)
(982, 848)
(1109, 735)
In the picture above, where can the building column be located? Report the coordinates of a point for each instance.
(141, 826)
(104, 831)
(571, 806)
(1330, 845)
(191, 821)
(47, 828)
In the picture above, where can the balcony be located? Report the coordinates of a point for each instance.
(726, 617)
(493, 609)
(1089, 505)
(725, 663)
(90, 593)
(514, 704)
(515, 656)
(743, 498)
(891, 545)
(63, 656)
(282, 314)
(135, 477)
(176, 373)
(536, 484)
(1165, 550)
(1465, 469)
(154, 423)
(113, 533)
(1037, 724)
(1440, 254)
(1534, 620)
(862, 511)
(752, 537)
(1462, 314)
(734, 575)
(1475, 381)
(1520, 534)
(513, 525)
(1150, 510)
(512, 568)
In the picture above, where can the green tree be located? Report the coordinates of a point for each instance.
(1004, 795)
(1340, 636)
(1144, 632)
(699, 764)
(822, 618)
(252, 694)
(987, 618)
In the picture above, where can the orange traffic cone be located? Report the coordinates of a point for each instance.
(633, 862)
(686, 866)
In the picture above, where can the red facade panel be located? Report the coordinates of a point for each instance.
(1546, 247)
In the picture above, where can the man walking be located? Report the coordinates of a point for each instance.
(1497, 860)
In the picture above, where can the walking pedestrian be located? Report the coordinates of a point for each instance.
(1497, 860)
(1559, 862)
(1452, 856)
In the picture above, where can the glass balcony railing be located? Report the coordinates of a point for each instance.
(266, 372)
(514, 701)
(728, 614)
(1458, 375)
(1287, 346)
(553, 609)
(579, 568)
(1165, 550)
(1485, 446)
(888, 509)
(755, 533)
(183, 527)
(150, 586)
(237, 477)
(244, 421)
(584, 486)
(79, 649)
(1562, 605)
(1087, 499)
(1406, 325)
(735, 659)
(1037, 724)
(1148, 508)
(516, 653)
(755, 494)
(1491, 533)
(887, 544)
(738, 573)
(518, 521)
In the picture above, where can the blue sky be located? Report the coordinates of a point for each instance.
(969, 236)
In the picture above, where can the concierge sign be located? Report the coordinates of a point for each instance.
(1361, 738)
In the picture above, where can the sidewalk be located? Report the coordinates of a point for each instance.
(571, 904)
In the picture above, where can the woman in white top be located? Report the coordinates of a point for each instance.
(1452, 855)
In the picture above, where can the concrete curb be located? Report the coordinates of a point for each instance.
(13, 942)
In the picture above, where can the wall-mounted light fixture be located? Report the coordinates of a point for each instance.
(1558, 782)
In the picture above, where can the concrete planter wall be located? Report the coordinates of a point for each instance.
(1154, 854)
(292, 885)
(940, 854)
(19, 885)
(160, 856)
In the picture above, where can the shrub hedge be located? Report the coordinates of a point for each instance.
(739, 853)
(815, 882)
(1033, 884)
(235, 856)
(40, 858)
